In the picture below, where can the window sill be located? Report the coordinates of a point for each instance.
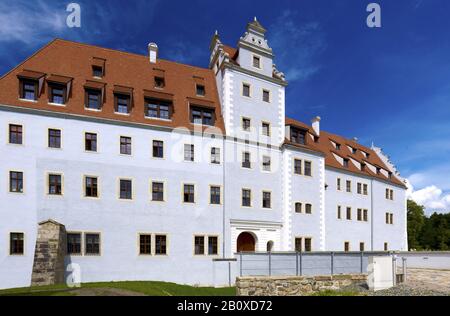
(56, 104)
(92, 110)
(120, 113)
(158, 119)
(27, 100)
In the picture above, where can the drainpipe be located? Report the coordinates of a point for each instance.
(223, 193)
(371, 215)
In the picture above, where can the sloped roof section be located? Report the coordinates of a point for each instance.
(324, 145)
(121, 69)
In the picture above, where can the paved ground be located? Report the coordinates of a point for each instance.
(434, 280)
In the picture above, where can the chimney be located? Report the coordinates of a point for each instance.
(316, 125)
(153, 52)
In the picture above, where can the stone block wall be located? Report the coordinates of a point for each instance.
(50, 250)
(294, 285)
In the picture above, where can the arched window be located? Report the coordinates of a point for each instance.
(269, 246)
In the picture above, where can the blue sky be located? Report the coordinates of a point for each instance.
(390, 86)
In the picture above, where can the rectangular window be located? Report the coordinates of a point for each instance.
(156, 108)
(126, 189)
(16, 245)
(15, 134)
(188, 152)
(386, 246)
(29, 90)
(266, 164)
(308, 168)
(266, 199)
(93, 99)
(308, 244)
(122, 103)
(54, 184)
(359, 188)
(200, 89)
(308, 208)
(349, 213)
(391, 219)
(365, 216)
(160, 82)
(246, 198)
(298, 244)
(266, 129)
(256, 62)
(246, 160)
(365, 189)
(16, 182)
(214, 195)
(54, 138)
(339, 215)
(97, 71)
(92, 244)
(158, 149)
(348, 186)
(125, 145)
(202, 116)
(91, 187)
(298, 207)
(199, 245)
(387, 194)
(298, 136)
(57, 94)
(145, 244)
(189, 193)
(158, 191)
(90, 142)
(215, 155)
(361, 246)
(346, 246)
(391, 195)
(213, 243)
(359, 214)
(246, 124)
(160, 244)
(74, 243)
(297, 166)
(246, 90)
(338, 184)
(346, 162)
(266, 95)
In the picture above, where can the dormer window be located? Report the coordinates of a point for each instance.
(202, 116)
(346, 162)
(30, 84)
(354, 151)
(97, 71)
(378, 170)
(338, 146)
(122, 103)
(57, 94)
(257, 62)
(98, 67)
(298, 136)
(200, 90)
(123, 99)
(93, 98)
(160, 83)
(156, 108)
(28, 90)
(363, 166)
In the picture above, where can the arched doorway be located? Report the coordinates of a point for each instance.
(245, 242)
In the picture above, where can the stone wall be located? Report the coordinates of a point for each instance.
(295, 285)
(50, 250)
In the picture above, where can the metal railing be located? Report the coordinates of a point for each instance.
(303, 263)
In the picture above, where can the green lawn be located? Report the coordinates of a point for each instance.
(144, 287)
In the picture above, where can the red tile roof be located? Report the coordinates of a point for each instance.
(66, 59)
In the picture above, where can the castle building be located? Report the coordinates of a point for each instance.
(155, 169)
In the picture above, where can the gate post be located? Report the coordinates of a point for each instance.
(301, 263)
(362, 258)
(332, 263)
(240, 263)
(296, 263)
(270, 263)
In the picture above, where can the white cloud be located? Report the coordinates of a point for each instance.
(431, 197)
(296, 44)
(23, 22)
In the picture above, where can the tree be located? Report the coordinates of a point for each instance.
(416, 221)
